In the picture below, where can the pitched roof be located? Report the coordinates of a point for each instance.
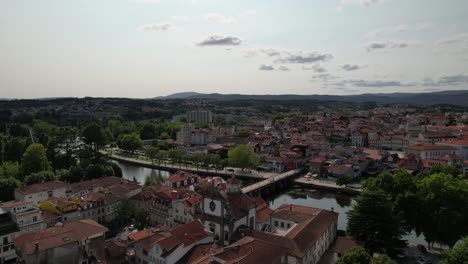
(52, 237)
(429, 147)
(252, 250)
(42, 187)
(180, 176)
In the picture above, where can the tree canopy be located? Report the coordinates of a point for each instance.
(34, 159)
(457, 255)
(130, 142)
(242, 156)
(373, 222)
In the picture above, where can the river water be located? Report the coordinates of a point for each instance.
(314, 198)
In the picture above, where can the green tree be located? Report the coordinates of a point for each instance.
(38, 177)
(242, 156)
(152, 152)
(95, 135)
(8, 186)
(344, 180)
(457, 255)
(164, 136)
(373, 222)
(10, 169)
(34, 159)
(130, 142)
(14, 149)
(242, 133)
(148, 131)
(444, 208)
(356, 255)
(74, 174)
(382, 259)
(125, 211)
(141, 219)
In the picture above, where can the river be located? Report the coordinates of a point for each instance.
(314, 198)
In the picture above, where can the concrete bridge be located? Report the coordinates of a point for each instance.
(272, 181)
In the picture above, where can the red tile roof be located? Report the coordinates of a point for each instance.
(42, 187)
(429, 147)
(52, 237)
(181, 176)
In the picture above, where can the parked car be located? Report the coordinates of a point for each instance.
(231, 170)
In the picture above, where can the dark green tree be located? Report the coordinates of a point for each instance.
(34, 159)
(457, 255)
(242, 156)
(130, 142)
(444, 208)
(38, 177)
(357, 255)
(344, 180)
(8, 186)
(373, 222)
(96, 136)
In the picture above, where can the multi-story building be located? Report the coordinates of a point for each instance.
(205, 116)
(224, 212)
(8, 231)
(429, 151)
(307, 232)
(25, 215)
(39, 192)
(185, 133)
(181, 179)
(74, 242)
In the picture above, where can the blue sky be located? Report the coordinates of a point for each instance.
(147, 48)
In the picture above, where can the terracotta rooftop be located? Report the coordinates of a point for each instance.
(180, 176)
(42, 187)
(429, 147)
(52, 237)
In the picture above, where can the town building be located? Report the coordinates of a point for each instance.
(39, 192)
(8, 231)
(225, 212)
(205, 116)
(74, 242)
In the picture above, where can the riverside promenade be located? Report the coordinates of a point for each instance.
(318, 184)
(226, 172)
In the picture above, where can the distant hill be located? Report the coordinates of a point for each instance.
(183, 95)
(459, 97)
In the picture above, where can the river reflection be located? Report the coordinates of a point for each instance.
(132, 172)
(340, 203)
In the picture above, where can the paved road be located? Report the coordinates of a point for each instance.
(325, 184)
(226, 171)
(270, 180)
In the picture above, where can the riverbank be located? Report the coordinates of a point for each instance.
(226, 172)
(326, 186)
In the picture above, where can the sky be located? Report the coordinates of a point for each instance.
(148, 48)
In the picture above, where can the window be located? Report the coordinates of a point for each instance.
(276, 223)
(5, 249)
(5, 240)
(282, 224)
(226, 235)
(34, 218)
(289, 225)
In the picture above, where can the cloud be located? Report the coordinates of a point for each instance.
(461, 38)
(303, 58)
(180, 18)
(323, 77)
(217, 40)
(155, 27)
(448, 80)
(376, 83)
(386, 45)
(316, 68)
(265, 67)
(217, 18)
(351, 67)
(363, 3)
(283, 68)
